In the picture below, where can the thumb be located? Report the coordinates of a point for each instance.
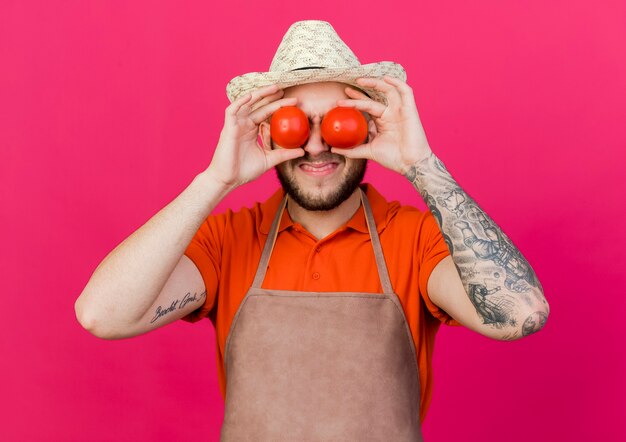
(362, 151)
(277, 156)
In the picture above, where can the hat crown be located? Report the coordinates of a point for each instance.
(312, 43)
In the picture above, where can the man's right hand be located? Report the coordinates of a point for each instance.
(238, 157)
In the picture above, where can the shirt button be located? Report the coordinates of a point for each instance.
(317, 249)
(316, 275)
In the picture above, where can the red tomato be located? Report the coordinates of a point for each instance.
(344, 127)
(289, 127)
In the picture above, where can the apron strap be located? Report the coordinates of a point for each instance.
(371, 226)
(269, 246)
(378, 250)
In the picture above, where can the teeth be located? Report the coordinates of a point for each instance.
(317, 169)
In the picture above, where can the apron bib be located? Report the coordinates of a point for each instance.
(321, 366)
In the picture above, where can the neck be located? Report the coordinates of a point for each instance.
(322, 223)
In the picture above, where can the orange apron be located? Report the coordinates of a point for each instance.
(321, 366)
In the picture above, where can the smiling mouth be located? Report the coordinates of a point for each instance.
(324, 168)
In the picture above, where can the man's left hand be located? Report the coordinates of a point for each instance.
(400, 140)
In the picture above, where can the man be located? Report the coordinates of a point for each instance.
(325, 298)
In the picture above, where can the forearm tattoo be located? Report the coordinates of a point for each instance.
(178, 304)
(496, 277)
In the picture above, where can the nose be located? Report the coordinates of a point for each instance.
(316, 144)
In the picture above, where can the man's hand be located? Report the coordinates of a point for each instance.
(400, 140)
(238, 157)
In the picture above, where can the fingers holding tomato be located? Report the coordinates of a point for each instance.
(238, 158)
(400, 139)
(360, 101)
(264, 109)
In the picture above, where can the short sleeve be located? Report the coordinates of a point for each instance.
(432, 249)
(205, 252)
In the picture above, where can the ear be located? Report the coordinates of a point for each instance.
(264, 133)
(372, 130)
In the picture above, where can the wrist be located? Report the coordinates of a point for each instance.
(411, 170)
(210, 181)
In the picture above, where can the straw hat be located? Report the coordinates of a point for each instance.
(311, 51)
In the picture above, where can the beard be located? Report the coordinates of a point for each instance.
(354, 176)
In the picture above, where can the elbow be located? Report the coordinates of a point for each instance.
(81, 316)
(88, 320)
(534, 320)
(528, 322)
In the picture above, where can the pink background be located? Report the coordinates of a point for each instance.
(108, 109)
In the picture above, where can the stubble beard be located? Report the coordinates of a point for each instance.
(343, 191)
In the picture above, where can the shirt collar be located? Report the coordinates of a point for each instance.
(379, 209)
(268, 211)
(377, 202)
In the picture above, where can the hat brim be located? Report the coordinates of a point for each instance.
(243, 84)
